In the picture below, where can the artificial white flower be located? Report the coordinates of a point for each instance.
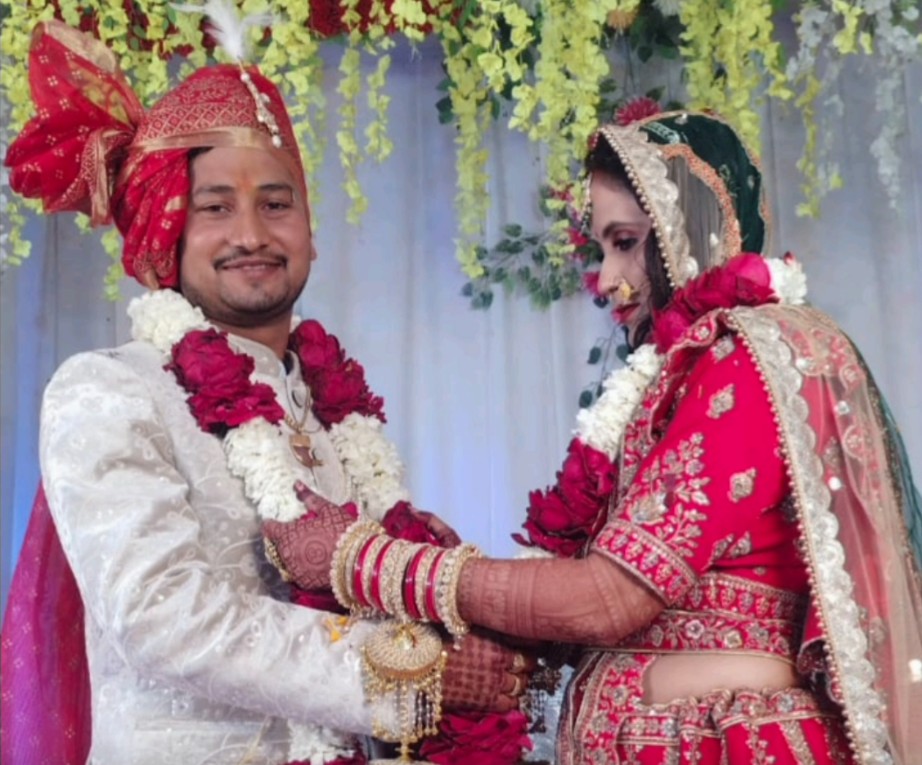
(256, 452)
(668, 7)
(532, 553)
(789, 282)
(163, 317)
(602, 425)
(371, 462)
(318, 744)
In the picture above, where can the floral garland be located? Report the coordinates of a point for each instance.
(541, 63)
(565, 517)
(246, 416)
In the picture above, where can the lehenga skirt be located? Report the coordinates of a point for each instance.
(604, 720)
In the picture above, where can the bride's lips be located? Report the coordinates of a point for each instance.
(624, 312)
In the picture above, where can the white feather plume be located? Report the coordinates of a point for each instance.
(226, 26)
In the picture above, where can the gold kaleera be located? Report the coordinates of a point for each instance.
(403, 664)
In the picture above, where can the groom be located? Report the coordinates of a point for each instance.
(161, 458)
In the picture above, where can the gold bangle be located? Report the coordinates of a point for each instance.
(395, 564)
(272, 555)
(343, 561)
(447, 589)
(422, 577)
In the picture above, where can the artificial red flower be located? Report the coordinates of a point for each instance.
(337, 383)
(562, 518)
(586, 480)
(743, 281)
(315, 347)
(218, 380)
(477, 739)
(403, 522)
(340, 392)
(577, 237)
(636, 109)
(204, 358)
(215, 410)
(549, 525)
(326, 18)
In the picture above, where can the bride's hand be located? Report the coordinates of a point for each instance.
(303, 549)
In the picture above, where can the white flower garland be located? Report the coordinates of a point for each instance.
(257, 453)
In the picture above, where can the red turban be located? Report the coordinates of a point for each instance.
(92, 148)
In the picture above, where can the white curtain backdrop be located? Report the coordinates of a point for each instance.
(481, 404)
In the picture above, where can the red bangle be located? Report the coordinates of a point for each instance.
(357, 588)
(409, 584)
(431, 608)
(376, 577)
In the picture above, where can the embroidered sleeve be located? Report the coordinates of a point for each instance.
(705, 483)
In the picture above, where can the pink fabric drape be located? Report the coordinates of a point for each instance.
(45, 679)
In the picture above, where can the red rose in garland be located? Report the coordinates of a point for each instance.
(744, 281)
(337, 383)
(218, 380)
(403, 522)
(561, 519)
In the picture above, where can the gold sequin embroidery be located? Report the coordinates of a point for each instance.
(723, 348)
(722, 402)
(742, 484)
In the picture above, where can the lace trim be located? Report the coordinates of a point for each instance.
(731, 241)
(659, 197)
(847, 648)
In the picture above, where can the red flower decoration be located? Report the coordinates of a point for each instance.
(403, 522)
(561, 519)
(577, 237)
(473, 739)
(743, 281)
(337, 383)
(218, 381)
(636, 109)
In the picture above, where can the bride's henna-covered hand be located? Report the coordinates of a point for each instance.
(305, 546)
(485, 675)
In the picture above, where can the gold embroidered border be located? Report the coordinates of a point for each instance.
(832, 585)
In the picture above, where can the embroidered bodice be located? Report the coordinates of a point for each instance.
(701, 512)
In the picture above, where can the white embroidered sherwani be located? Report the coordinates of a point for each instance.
(195, 655)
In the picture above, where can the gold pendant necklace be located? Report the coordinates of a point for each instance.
(300, 443)
(300, 440)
